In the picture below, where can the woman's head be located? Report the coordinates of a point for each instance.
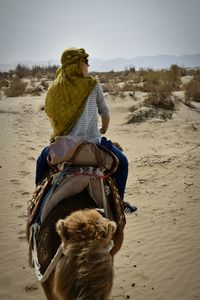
(75, 61)
(84, 67)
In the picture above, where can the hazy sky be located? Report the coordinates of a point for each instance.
(41, 29)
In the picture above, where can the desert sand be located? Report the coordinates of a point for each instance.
(160, 256)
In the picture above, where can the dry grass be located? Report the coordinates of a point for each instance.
(192, 88)
(160, 100)
(4, 83)
(16, 88)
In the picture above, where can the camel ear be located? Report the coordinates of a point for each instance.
(112, 227)
(62, 230)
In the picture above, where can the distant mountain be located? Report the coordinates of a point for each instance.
(155, 62)
(118, 64)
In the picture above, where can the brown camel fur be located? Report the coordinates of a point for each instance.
(87, 267)
(86, 272)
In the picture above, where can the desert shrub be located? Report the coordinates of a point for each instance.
(142, 114)
(135, 107)
(174, 76)
(112, 86)
(50, 76)
(22, 71)
(44, 84)
(192, 90)
(160, 99)
(105, 88)
(197, 75)
(193, 72)
(35, 90)
(128, 74)
(17, 88)
(128, 87)
(4, 83)
(152, 77)
(141, 72)
(183, 71)
(4, 75)
(158, 84)
(151, 81)
(163, 79)
(39, 75)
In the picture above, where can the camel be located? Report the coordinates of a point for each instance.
(88, 240)
(85, 269)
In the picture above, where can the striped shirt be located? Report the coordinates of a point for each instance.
(87, 125)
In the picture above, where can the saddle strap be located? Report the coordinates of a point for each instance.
(33, 256)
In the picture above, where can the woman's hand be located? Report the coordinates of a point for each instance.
(102, 130)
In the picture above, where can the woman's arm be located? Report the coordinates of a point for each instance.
(103, 110)
(105, 120)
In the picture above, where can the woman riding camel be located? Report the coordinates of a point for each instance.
(73, 103)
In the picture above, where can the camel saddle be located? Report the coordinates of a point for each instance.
(78, 165)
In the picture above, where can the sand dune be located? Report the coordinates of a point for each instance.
(160, 257)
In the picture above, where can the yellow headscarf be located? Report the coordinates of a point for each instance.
(68, 94)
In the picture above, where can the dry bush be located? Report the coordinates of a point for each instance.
(160, 86)
(160, 100)
(161, 80)
(4, 83)
(113, 87)
(152, 80)
(35, 90)
(17, 88)
(135, 107)
(152, 76)
(174, 77)
(128, 74)
(4, 75)
(44, 83)
(106, 88)
(141, 72)
(142, 114)
(50, 76)
(127, 87)
(192, 90)
(22, 71)
(193, 72)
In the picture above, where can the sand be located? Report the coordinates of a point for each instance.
(160, 256)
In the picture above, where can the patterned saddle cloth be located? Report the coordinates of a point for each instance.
(86, 166)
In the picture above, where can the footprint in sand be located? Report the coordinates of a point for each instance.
(24, 193)
(24, 173)
(18, 205)
(29, 141)
(22, 235)
(23, 215)
(31, 158)
(31, 287)
(15, 181)
(19, 192)
(24, 134)
(30, 148)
